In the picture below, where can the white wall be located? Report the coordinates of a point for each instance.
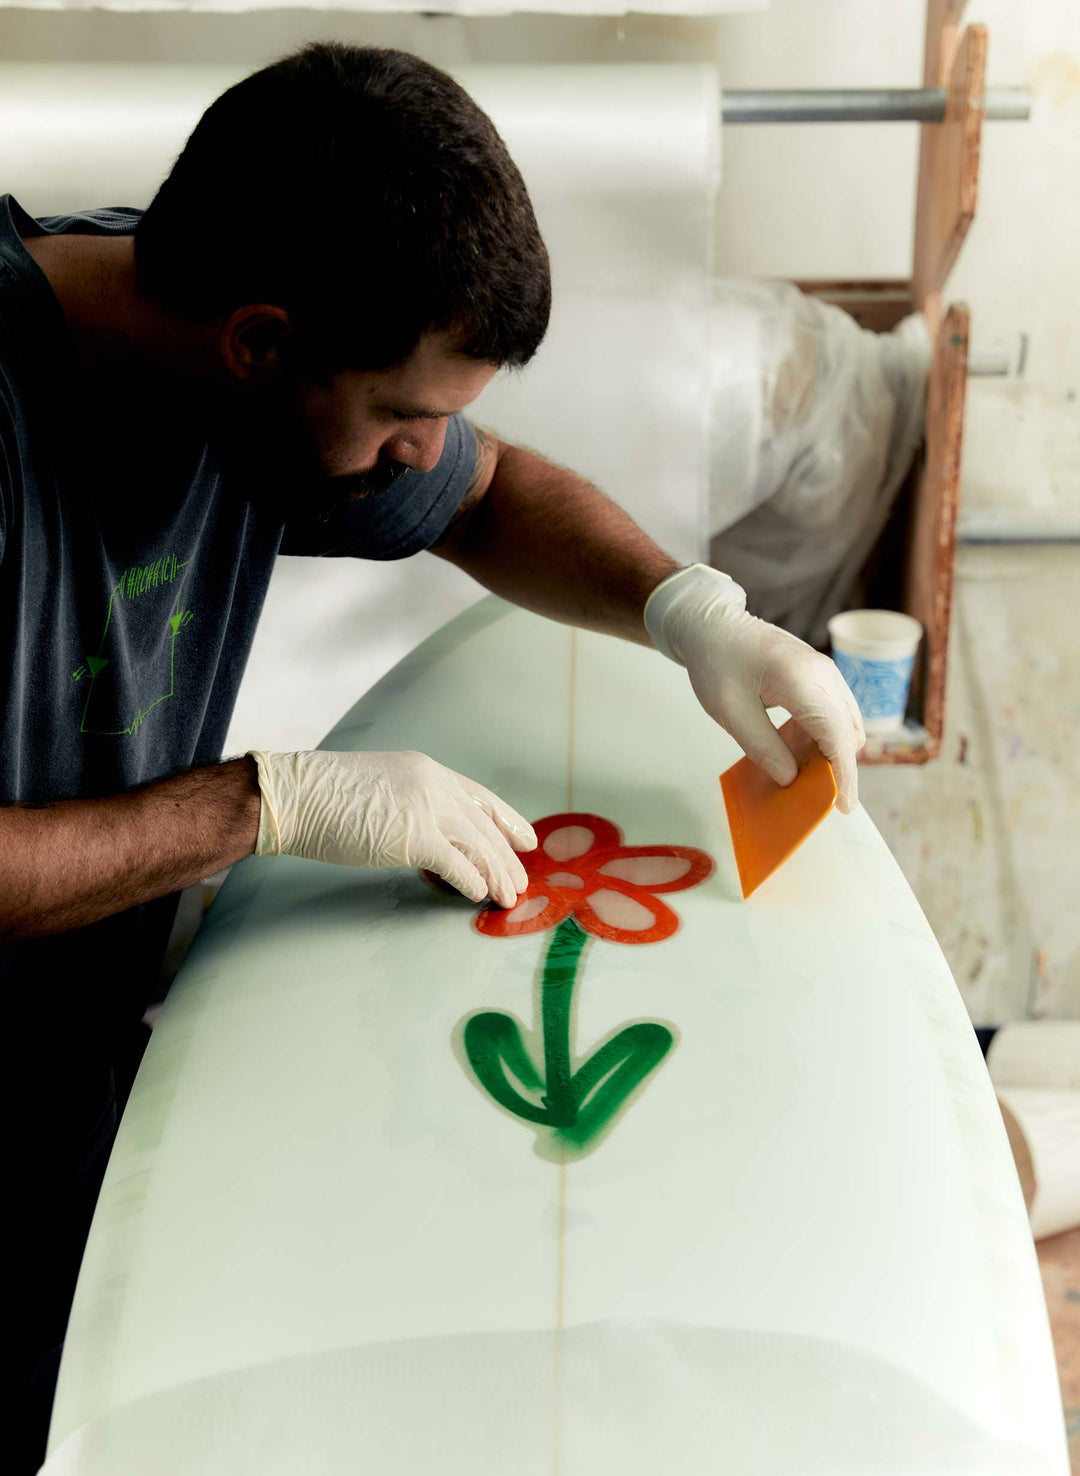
(1020, 270)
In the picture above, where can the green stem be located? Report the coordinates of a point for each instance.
(579, 1108)
(557, 997)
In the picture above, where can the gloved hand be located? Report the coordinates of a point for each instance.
(739, 665)
(392, 809)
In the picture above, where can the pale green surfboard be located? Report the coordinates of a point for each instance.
(395, 1196)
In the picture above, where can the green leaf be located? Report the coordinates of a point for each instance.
(601, 1086)
(493, 1043)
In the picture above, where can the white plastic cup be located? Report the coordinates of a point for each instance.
(875, 651)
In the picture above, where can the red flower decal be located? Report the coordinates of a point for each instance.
(580, 866)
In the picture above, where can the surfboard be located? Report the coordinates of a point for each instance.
(636, 1176)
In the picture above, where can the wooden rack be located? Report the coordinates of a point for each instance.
(913, 566)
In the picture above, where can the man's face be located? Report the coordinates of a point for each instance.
(310, 449)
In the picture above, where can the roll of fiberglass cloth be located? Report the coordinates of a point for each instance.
(1035, 1068)
(622, 165)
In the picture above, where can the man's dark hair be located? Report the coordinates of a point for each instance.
(362, 190)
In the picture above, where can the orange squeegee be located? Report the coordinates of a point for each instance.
(768, 822)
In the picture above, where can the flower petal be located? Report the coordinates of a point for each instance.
(586, 832)
(565, 879)
(659, 868)
(525, 911)
(569, 842)
(621, 910)
(638, 917)
(647, 871)
(534, 913)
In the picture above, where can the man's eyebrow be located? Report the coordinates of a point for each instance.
(419, 412)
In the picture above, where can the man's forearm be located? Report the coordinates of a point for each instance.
(68, 863)
(550, 541)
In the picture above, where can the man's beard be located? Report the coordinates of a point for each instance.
(329, 494)
(268, 456)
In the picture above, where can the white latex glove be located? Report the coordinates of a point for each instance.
(739, 665)
(392, 809)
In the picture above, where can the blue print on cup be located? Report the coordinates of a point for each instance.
(880, 687)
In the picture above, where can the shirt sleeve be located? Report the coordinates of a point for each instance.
(402, 519)
(6, 481)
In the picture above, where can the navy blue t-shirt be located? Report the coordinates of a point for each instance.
(129, 597)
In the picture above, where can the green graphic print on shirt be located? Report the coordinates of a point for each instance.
(155, 588)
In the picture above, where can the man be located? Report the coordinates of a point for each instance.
(274, 357)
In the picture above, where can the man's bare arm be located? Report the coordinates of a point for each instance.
(548, 540)
(545, 538)
(67, 863)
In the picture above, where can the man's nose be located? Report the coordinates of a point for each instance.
(418, 446)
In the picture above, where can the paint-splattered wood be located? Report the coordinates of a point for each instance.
(946, 196)
(877, 306)
(931, 563)
(948, 163)
(927, 547)
(939, 52)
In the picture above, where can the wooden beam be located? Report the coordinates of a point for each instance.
(948, 169)
(876, 305)
(931, 563)
(942, 34)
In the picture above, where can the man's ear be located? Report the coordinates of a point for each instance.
(251, 340)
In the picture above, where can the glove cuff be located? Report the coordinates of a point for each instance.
(268, 842)
(695, 585)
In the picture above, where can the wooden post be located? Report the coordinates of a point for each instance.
(931, 562)
(948, 153)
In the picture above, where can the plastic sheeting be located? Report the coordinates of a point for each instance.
(815, 424)
(321, 1246)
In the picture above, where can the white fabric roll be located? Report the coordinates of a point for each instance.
(74, 136)
(622, 165)
(1036, 1053)
(1049, 1123)
(445, 7)
(1035, 1068)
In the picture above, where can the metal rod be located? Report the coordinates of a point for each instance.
(985, 363)
(1018, 527)
(869, 105)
